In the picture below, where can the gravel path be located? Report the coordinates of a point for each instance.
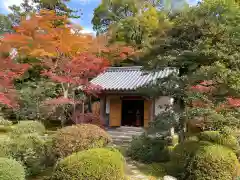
(133, 173)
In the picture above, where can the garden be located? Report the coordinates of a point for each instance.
(49, 129)
(73, 152)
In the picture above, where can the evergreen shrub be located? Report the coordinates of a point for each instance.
(27, 127)
(11, 170)
(147, 149)
(213, 162)
(77, 138)
(93, 164)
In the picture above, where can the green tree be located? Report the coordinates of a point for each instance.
(110, 12)
(5, 24)
(203, 45)
(134, 22)
(138, 30)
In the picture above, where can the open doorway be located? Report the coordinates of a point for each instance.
(133, 113)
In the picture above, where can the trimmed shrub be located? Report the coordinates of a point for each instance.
(5, 122)
(11, 170)
(217, 138)
(5, 125)
(31, 150)
(147, 149)
(93, 164)
(181, 155)
(77, 138)
(5, 129)
(5, 147)
(27, 127)
(213, 162)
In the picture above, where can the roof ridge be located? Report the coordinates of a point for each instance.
(125, 68)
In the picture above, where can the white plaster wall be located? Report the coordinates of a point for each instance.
(161, 102)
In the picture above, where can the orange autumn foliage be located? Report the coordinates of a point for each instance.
(71, 57)
(47, 35)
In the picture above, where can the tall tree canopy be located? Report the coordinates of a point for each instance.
(112, 11)
(134, 22)
(203, 44)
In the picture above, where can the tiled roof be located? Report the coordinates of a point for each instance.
(127, 78)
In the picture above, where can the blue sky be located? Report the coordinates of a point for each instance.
(86, 6)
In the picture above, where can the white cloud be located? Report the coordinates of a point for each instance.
(7, 3)
(87, 31)
(83, 31)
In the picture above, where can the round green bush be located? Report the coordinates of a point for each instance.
(146, 149)
(27, 127)
(5, 147)
(181, 155)
(31, 150)
(5, 122)
(77, 138)
(217, 138)
(5, 129)
(11, 170)
(5, 125)
(93, 164)
(213, 162)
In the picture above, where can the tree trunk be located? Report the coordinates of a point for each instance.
(65, 94)
(182, 121)
(82, 112)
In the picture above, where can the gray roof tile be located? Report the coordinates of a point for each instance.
(127, 78)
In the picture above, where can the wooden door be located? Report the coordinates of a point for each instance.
(115, 112)
(147, 112)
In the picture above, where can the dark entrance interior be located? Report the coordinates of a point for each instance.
(133, 113)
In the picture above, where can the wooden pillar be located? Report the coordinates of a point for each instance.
(103, 109)
(152, 110)
(147, 112)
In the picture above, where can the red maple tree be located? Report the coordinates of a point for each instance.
(9, 71)
(70, 58)
(207, 87)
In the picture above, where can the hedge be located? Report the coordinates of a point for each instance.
(11, 170)
(93, 164)
(147, 149)
(77, 138)
(217, 138)
(213, 162)
(181, 155)
(31, 150)
(27, 127)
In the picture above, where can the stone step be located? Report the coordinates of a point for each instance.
(116, 133)
(123, 135)
(122, 140)
(126, 128)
